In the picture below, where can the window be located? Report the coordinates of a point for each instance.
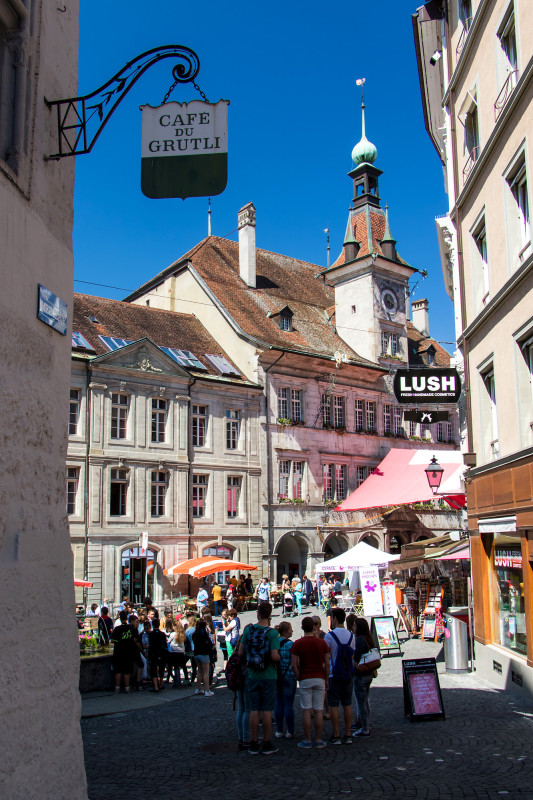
(397, 427)
(471, 138)
(359, 415)
(15, 83)
(199, 495)
(371, 416)
(283, 403)
(480, 266)
(332, 407)
(73, 477)
(508, 595)
(234, 496)
(444, 432)
(118, 492)
(520, 194)
(389, 343)
(233, 428)
(291, 480)
(199, 425)
(334, 477)
(465, 13)
(490, 386)
(507, 38)
(387, 419)
(120, 404)
(296, 405)
(159, 493)
(159, 419)
(527, 351)
(285, 321)
(425, 431)
(412, 428)
(362, 475)
(219, 552)
(74, 412)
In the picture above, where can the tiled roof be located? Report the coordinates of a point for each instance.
(281, 281)
(127, 321)
(419, 345)
(368, 228)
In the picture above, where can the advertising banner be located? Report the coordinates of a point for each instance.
(371, 591)
(184, 149)
(389, 598)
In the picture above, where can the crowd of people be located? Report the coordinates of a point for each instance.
(267, 664)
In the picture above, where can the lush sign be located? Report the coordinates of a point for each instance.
(184, 149)
(416, 386)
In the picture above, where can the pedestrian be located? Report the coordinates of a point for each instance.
(341, 644)
(333, 603)
(230, 594)
(286, 683)
(260, 643)
(201, 599)
(124, 652)
(211, 631)
(105, 626)
(149, 607)
(298, 594)
(323, 594)
(308, 589)
(232, 628)
(317, 631)
(177, 660)
(310, 662)
(93, 610)
(364, 642)
(285, 584)
(189, 645)
(203, 647)
(157, 654)
(249, 584)
(139, 661)
(216, 594)
(263, 591)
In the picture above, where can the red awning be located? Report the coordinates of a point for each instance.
(400, 479)
(79, 582)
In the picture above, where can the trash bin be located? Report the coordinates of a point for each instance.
(456, 645)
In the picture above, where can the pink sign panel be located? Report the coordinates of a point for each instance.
(425, 694)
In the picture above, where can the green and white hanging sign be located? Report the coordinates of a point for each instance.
(184, 149)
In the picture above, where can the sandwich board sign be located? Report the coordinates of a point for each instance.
(422, 697)
(184, 151)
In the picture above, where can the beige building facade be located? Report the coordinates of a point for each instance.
(476, 67)
(41, 740)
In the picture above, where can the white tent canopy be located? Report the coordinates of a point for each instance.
(362, 555)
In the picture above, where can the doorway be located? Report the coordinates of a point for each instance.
(138, 571)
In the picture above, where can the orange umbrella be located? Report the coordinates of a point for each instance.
(206, 565)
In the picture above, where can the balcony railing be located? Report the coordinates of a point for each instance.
(505, 93)
(469, 166)
(462, 38)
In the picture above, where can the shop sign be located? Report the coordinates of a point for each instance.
(371, 591)
(427, 417)
(427, 386)
(184, 149)
(507, 559)
(52, 310)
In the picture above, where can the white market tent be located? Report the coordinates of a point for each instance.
(362, 555)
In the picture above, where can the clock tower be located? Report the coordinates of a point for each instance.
(370, 278)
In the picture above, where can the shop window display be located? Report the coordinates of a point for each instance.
(511, 618)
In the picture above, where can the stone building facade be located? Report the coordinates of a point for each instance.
(40, 705)
(476, 67)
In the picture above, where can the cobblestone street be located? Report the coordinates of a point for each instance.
(186, 746)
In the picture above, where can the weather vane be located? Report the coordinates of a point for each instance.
(361, 82)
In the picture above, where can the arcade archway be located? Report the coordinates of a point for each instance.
(292, 552)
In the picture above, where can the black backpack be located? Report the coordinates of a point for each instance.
(343, 665)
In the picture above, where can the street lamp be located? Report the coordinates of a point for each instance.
(434, 473)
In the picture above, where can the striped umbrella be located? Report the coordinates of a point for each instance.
(206, 565)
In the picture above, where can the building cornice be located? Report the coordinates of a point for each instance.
(500, 463)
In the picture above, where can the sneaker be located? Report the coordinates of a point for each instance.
(117, 690)
(320, 743)
(305, 744)
(268, 749)
(254, 748)
(198, 691)
(209, 694)
(361, 732)
(335, 740)
(347, 739)
(279, 734)
(289, 735)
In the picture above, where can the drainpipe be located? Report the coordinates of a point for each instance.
(190, 455)
(86, 476)
(269, 462)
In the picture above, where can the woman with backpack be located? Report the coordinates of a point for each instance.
(364, 642)
(286, 683)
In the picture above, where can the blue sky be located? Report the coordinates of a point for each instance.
(289, 71)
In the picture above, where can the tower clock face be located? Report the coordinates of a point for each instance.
(389, 301)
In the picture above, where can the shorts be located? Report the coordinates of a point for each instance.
(340, 692)
(312, 691)
(261, 694)
(202, 659)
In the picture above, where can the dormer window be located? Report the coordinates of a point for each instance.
(431, 355)
(285, 319)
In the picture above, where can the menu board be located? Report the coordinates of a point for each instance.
(385, 634)
(421, 689)
(428, 627)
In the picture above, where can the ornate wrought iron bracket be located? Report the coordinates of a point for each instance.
(80, 120)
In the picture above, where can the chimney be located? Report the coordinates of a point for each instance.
(420, 315)
(246, 225)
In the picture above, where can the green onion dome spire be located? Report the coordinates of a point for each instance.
(364, 151)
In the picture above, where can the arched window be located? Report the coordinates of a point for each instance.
(221, 551)
(137, 574)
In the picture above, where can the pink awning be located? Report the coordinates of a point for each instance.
(459, 554)
(400, 479)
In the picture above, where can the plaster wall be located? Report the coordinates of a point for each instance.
(41, 745)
